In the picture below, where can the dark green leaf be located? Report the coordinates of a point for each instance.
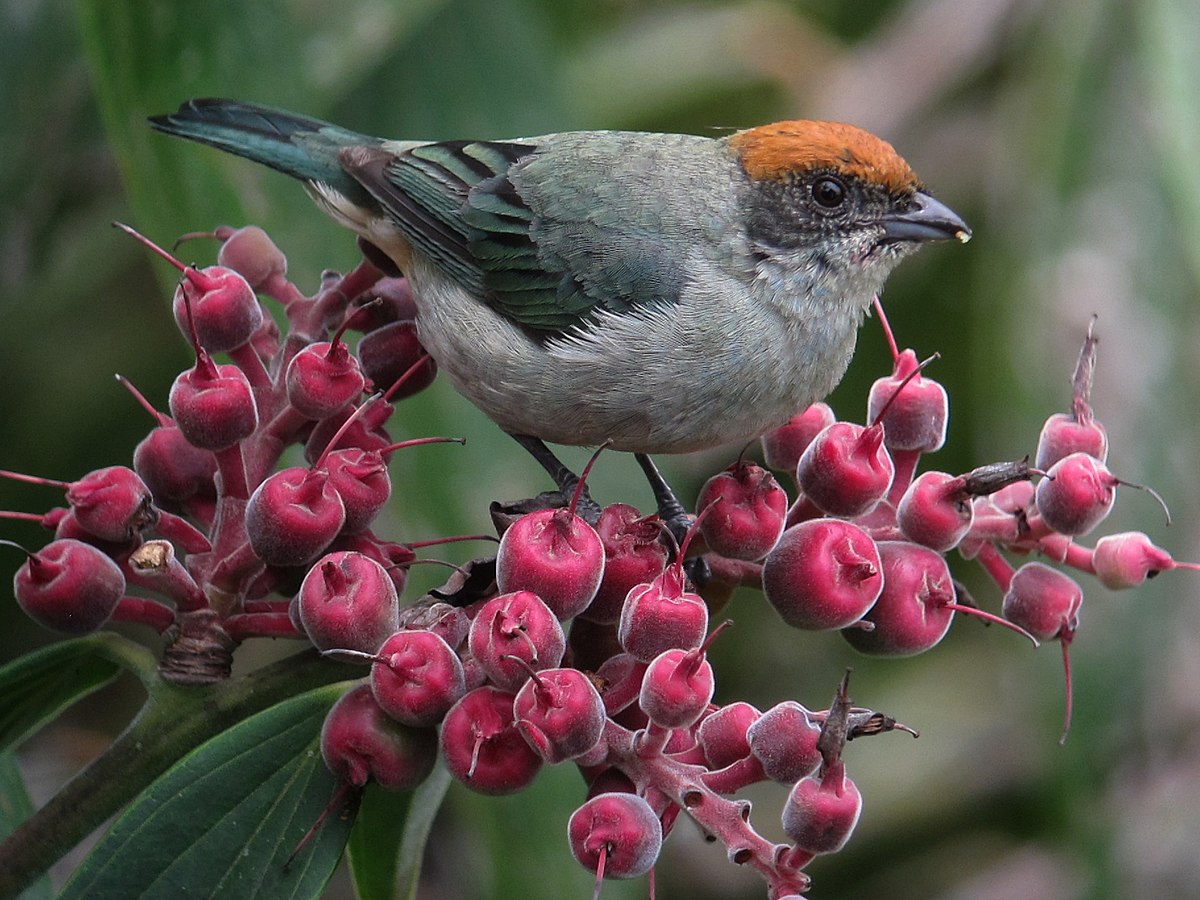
(35, 688)
(15, 808)
(223, 822)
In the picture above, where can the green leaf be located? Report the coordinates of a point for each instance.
(35, 688)
(15, 808)
(388, 840)
(224, 820)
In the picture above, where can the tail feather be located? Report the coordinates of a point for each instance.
(296, 145)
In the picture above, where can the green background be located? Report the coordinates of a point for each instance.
(1066, 133)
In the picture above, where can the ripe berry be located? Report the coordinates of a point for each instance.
(1127, 559)
(213, 405)
(722, 734)
(747, 511)
(678, 686)
(417, 677)
(173, 468)
(293, 516)
(783, 446)
(823, 574)
(914, 608)
(389, 352)
(512, 628)
(348, 602)
(911, 408)
(1063, 435)
(360, 478)
(560, 713)
(482, 747)
(111, 503)
(784, 740)
(250, 252)
(324, 378)
(633, 555)
(846, 470)
(662, 615)
(822, 810)
(1076, 495)
(69, 586)
(360, 743)
(615, 835)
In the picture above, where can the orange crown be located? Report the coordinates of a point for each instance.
(784, 149)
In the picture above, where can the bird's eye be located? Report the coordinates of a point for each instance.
(828, 192)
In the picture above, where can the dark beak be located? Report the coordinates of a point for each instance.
(925, 219)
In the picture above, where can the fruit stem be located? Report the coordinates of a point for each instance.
(157, 615)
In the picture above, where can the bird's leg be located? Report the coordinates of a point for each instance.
(566, 480)
(674, 516)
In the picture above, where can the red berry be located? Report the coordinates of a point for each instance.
(662, 615)
(1127, 559)
(914, 608)
(823, 574)
(360, 743)
(555, 554)
(935, 511)
(173, 468)
(784, 740)
(783, 446)
(225, 311)
(113, 503)
(417, 677)
(1063, 435)
(361, 479)
(482, 746)
(822, 810)
(1076, 495)
(1043, 601)
(69, 586)
(560, 713)
(846, 470)
(348, 602)
(213, 405)
(389, 352)
(747, 509)
(250, 252)
(293, 516)
(913, 409)
(722, 734)
(633, 555)
(615, 835)
(514, 628)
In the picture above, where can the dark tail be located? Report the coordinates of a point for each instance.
(295, 145)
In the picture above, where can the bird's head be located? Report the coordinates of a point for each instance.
(836, 200)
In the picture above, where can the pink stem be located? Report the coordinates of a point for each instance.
(260, 624)
(157, 615)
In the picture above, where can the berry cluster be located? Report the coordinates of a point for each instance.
(581, 641)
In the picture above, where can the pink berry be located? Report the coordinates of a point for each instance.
(293, 516)
(1063, 435)
(417, 677)
(514, 628)
(1076, 495)
(555, 554)
(822, 810)
(914, 608)
(783, 446)
(324, 378)
(633, 555)
(1127, 559)
(69, 586)
(678, 686)
(388, 300)
(360, 478)
(111, 503)
(662, 615)
(615, 835)
(823, 574)
(784, 740)
(722, 734)
(747, 511)
(1043, 601)
(225, 311)
(913, 409)
(846, 470)
(250, 252)
(935, 511)
(482, 746)
(560, 713)
(360, 743)
(173, 468)
(213, 405)
(348, 602)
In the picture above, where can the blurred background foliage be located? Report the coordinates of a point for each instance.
(1067, 132)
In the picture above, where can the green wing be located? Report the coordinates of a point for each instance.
(545, 265)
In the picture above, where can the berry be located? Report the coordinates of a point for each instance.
(722, 734)
(633, 555)
(678, 686)
(251, 253)
(914, 608)
(783, 446)
(615, 835)
(823, 574)
(482, 746)
(1076, 495)
(390, 352)
(555, 554)
(113, 504)
(173, 468)
(512, 629)
(213, 405)
(846, 470)
(662, 615)
(822, 810)
(417, 677)
(69, 586)
(360, 743)
(912, 409)
(360, 478)
(324, 378)
(1127, 559)
(560, 713)
(747, 511)
(784, 740)
(348, 602)
(293, 516)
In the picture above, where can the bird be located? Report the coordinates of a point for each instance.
(658, 293)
